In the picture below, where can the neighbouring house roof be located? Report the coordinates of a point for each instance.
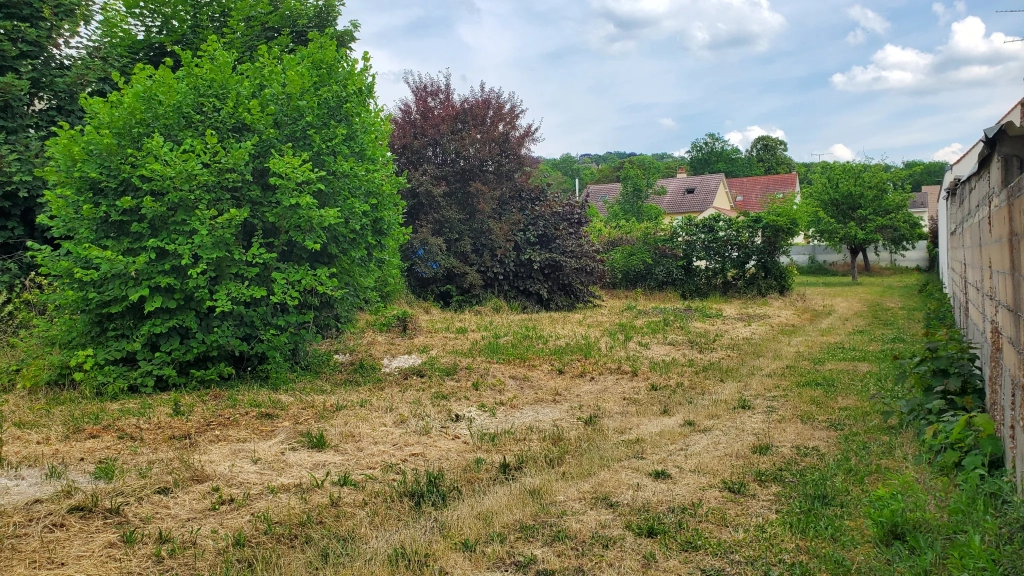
(694, 194)
(729, 213)
(919, 201)
(750, 194)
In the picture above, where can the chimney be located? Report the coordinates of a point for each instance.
(681, 173)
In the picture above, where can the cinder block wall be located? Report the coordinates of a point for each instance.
(986, 284)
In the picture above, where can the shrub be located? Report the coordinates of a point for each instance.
(699, 258)
(480, 228)
(220, 217)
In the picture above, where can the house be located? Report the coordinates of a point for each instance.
(698, 196)
(925, 204)
(754, 194)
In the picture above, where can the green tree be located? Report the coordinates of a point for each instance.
(921, 173)
(220, 217)
(39, 87)
(771, 155)
(150, 32)
(639, 179)
(559, 175)
(713, 154)
(856, 206)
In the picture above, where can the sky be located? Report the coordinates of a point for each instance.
(893, 79)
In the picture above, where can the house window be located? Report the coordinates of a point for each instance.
(603, 198)
(739, 198)
(691, 190)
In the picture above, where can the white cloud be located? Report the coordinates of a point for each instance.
(946, 13)
(745, 137)
(950, 153)
(968, 56)
(841, 153)
(681, 152)
(701, 25)
(867, 21)
(667, 122)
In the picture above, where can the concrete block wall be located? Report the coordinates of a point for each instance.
(986, 284)
(917, 256)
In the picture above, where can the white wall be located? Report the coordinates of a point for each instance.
(918, 256)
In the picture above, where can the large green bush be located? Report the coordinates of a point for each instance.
(700, 258)
(220, 217)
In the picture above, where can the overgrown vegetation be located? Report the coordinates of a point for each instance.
(208, 225)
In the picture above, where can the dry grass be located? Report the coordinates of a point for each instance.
(548, 425)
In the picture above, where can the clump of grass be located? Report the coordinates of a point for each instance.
(55, 472)
(409, 558)
(345, 480)
(106, 469)
(744, 403)
(131, 536)
(735, 486)
(398, 320)
(509, 470)
(762, 449)
(590, 420)
(426, 489)
(660, 474)
(315, 440)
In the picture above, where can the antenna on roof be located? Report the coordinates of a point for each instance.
(822, 154)
(1011, 40)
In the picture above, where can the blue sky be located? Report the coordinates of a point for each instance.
(898, 79)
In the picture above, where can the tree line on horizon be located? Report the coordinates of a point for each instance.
(710, 154)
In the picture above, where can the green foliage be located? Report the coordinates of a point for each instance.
(770, 155)
(945, 395)
(713, 154)
(639, 179)
(220, 217)
(897, 511)
(815, 267)
(40, 82)
(558, 175)
(106, 470)
(856, 206)
(480, 227)
(150, 32)
(700, 258)
(393, 319)
(426, 489)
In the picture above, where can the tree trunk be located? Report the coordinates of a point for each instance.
(867, 263)
(854, 252)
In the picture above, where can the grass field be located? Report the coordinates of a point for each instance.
(644, 436)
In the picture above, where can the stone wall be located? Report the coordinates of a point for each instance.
(985, 282)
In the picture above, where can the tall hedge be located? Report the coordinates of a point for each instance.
(220, 217)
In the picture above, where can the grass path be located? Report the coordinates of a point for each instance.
(644, 436)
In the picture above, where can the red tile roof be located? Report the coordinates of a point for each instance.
(750, 194)
(685, 195)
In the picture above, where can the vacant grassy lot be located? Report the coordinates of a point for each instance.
(647, 435)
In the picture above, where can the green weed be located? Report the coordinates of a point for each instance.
(314, 440)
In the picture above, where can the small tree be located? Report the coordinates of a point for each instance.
(479, 226)
(855, 206)
(639, 181)
(220, 217)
